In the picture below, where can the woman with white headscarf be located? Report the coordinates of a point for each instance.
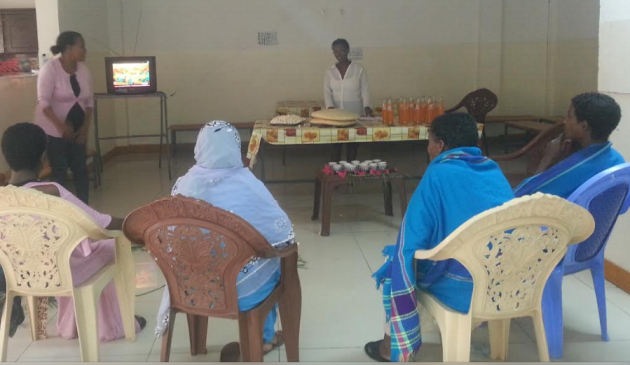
(219, 178)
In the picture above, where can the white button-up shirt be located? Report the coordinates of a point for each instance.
(351, 92)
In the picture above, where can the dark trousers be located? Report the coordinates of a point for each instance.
(352, 150)
(63, 154)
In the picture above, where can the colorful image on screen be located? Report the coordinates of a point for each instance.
(134, 74)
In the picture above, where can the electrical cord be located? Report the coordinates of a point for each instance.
(150, 291)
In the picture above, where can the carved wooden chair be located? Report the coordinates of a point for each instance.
(201, 249)
(38, 233)
(478, 104)
(534, 151)
(510, 251)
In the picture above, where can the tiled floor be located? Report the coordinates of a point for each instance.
(341, 306)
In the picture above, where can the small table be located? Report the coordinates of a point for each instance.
(326, 185)
(163, 124)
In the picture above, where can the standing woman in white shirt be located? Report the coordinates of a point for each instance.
(346, 87)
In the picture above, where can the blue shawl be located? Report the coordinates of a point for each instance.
(569, 174)
(457, 185)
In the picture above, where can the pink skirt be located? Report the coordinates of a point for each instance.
(87, 259)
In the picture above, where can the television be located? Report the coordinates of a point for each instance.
(131, 75)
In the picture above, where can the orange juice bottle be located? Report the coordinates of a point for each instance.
(390, 111)
(430, 111)
(411, 105)
(440, 107)
(416, 111)
(423, 111)
(400, 111)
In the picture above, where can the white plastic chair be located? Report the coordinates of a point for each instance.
(38, 233)
(510, 251)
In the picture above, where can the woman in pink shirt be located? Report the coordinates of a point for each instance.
(24, 148)
(64, 109)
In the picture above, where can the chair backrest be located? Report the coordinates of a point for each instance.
(606, 197)
(538, 145)
(38, 233)
(478, 104)
(511, 250)
(200, 249)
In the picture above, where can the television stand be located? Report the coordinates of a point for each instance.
(163, 125)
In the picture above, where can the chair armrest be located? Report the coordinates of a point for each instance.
(542, 137)
(522, 152)
(426, 254)
(456, 107)
(285, 252)
(444, 250)
(114, 233)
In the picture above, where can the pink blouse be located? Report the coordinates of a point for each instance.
(54, 90)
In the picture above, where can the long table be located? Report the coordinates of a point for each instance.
(362, 132)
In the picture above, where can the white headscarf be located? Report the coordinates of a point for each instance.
(220, 179)
(217, 156)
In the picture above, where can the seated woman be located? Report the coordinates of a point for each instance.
(591, 119)
(219, 178)
(458, 184)
(24, 146)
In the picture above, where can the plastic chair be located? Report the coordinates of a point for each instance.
(38, 233)
(510, 252)
(201, 249)
(478, 104)
(606, 197)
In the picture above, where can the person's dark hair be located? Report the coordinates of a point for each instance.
(341, 42)
(65, 40)
(23, 146)
(456, 130)
(599, 111)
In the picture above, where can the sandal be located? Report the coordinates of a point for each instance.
(17, 316)
(277, 341)
(232, 351)
(373, 350)
(141, 322)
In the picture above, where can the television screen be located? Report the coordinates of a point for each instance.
(135, 74)
(131, 75)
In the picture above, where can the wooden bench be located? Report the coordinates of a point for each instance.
(176, 128)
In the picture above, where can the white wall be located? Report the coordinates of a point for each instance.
(534, 54)
(89, 17)
(614, 79)
(47, 25)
